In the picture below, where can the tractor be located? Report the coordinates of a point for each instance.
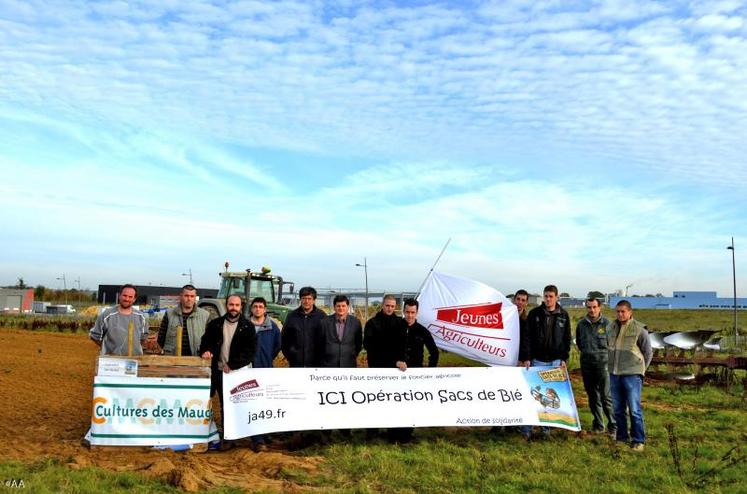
(249, 284)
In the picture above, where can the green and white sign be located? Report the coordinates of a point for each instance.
(149, 411)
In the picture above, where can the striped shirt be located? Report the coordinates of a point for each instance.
(111, 329)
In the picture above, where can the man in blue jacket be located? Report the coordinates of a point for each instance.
(268, 347)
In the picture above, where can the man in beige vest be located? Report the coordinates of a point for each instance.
(630, 354)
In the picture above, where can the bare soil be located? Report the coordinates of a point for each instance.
(46, 381)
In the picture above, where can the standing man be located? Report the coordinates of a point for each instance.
(192, 320)
(268, 347)
(629, 356)
(340, 336)
(548, 341)
(229, 342)
(521, 300)
(111, 330)
(301, 331)
(385, 337)
(417, 338)
(591, 339)
(340, 342)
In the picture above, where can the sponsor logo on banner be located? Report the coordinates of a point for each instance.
(486, 316)
(246, 391)
(251, 384)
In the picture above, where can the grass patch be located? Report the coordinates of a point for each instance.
(707, 424)
(52, 476)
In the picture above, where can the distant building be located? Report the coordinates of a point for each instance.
(683, 300)
(569, 302)
(147, 294)
(16, 299)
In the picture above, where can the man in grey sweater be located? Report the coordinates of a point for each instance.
(111, 330)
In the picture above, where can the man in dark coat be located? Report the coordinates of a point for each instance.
(340, 336)
(385, 341)
(548, 341)
(229, 342)
(416, 338)
(301, 331)
(384, 337)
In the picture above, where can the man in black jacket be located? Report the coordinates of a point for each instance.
(418, 337)
(229, 342)
(548, 341)
(301, 331)
(384, 337)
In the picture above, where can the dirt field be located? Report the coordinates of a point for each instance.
(46, 380)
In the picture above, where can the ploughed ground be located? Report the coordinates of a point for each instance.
(46, 383)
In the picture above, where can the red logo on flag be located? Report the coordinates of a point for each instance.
(486, 316)
(245, 386)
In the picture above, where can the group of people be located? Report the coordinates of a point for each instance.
(310, 337)
(614, 354)
(614, 358)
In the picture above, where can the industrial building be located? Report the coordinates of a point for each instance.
(147, 294)
(16, 299)
(683, 300)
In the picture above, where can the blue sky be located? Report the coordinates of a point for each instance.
(587, 144)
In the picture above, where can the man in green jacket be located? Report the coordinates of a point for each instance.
(192, 320)
(630, 354)
(591, 340)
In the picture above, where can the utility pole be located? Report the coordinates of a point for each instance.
(64, 286)
(365, 271)
(734, 279)
(78, 282)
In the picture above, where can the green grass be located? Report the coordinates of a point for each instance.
(52, 476)
(676, 319)
(707, 423)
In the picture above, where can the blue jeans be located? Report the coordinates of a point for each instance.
(527, 429)
(626, 399)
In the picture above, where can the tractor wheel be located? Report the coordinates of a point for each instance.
(213, 311)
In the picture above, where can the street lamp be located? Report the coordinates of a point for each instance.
(734, 278)
(190, 276)
(365, 270)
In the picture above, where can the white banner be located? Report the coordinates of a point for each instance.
(258, 401)
(470, 319)
(148, 411)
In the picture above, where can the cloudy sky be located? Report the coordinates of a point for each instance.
(587, 144)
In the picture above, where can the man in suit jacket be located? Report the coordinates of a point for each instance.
(340, 337)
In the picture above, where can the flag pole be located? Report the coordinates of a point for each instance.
(433, 267)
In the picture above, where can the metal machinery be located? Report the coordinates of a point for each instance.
(249, 284)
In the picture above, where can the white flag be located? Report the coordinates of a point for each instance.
(470, 319)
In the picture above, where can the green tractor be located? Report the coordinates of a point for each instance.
(249, 284)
